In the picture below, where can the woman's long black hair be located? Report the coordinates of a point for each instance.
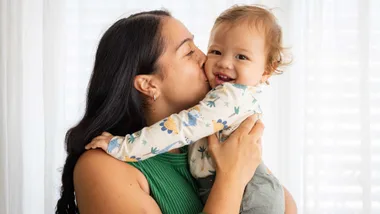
(128, 48)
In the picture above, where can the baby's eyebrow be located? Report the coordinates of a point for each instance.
(244, 50)
(213, 46)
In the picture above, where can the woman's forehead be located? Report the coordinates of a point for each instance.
(175, 33)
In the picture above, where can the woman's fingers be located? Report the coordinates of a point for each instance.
(257, 130)
(245, 127)
(212, 141)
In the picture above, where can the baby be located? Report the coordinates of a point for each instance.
(245, 49)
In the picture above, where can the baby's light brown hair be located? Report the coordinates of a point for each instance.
(262, 19)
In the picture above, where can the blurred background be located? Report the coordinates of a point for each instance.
(322, 116)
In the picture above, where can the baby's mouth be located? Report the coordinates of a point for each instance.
(222, 78)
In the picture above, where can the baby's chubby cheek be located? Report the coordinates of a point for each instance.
(210, 76)
(211, 79)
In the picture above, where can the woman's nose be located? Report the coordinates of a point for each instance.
(201, 58)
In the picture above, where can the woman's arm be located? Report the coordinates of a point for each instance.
(225, 196)
(104, 185)
(290, 204)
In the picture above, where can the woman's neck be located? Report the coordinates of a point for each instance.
(157, 113)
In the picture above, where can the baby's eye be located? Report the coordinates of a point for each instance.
(216, 52)
(241, 57)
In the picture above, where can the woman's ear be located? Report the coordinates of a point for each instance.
(147, 85)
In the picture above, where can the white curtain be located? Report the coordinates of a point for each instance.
(337, 79)
(31, 105)
(322, 116)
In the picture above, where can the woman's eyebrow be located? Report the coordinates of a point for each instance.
(184, 41)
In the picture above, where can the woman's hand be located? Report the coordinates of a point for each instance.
(240, 154)
(236, 161)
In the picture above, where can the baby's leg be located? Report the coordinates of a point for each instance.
(202, 167)
(204, 187)
(264, 194)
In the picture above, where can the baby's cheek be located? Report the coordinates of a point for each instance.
(247, 81)
(249, 77)
(208, 70)
(210, 79)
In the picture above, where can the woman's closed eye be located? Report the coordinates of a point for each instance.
(216, 52)
(241, 57)
(190, 53)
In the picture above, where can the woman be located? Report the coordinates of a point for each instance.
(146, 68)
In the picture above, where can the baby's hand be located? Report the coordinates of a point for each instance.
(100, 141)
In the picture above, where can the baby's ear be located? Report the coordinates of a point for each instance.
(272, 67)
(265, 77)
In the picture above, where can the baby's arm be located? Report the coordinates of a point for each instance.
(221, 107)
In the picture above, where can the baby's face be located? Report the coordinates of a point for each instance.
(235, 54)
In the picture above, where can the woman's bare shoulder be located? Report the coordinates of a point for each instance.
(103, 183)
(95, 162)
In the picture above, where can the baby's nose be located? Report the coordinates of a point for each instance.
(225, 63)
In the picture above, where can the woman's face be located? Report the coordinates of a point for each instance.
(184, 82)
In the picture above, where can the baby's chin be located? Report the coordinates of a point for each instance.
(212, 83)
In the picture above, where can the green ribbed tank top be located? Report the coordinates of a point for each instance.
(171, 184)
